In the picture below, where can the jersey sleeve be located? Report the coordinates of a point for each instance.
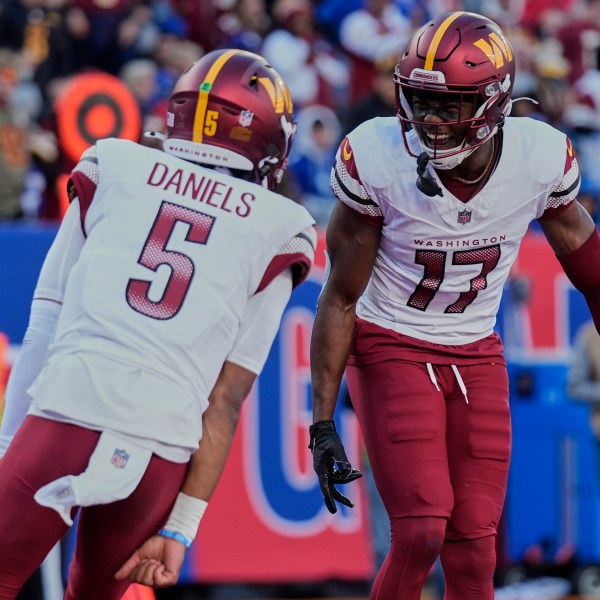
(28, 364)
(84, 181)
(45, 311)
(62, 255)
(565, 193)
(260, 324)
(348, 187)
(298, 254)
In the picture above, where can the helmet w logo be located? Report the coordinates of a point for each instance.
(496, 48)
(279, 94)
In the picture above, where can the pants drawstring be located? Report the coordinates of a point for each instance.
(432, 377)
(461, 383)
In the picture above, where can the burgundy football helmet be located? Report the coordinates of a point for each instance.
(466, 55)
(232, 109)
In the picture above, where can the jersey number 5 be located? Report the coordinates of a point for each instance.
(155, 253)
(434, 262)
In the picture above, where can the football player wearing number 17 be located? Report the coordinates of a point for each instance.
(416, 276)
(154, 312)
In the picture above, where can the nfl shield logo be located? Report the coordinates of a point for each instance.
(119, 458)
(464, 216)
(246, 118)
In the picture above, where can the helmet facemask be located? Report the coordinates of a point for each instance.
(271, 168)
(481, 110)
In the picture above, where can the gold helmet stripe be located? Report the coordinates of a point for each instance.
(437, 38)
(204, 92)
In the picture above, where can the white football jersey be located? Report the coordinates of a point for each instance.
(442, 263)
(154, 302)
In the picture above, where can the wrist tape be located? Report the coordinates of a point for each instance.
(184, 519)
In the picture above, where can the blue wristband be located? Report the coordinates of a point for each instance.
(173, 535)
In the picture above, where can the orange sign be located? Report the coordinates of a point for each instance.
(139, 592)
(93, 106)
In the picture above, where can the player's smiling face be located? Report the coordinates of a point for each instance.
(442, 119)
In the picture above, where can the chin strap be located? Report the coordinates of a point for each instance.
(425, 180)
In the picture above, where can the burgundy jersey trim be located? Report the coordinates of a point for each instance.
(347, 185)
(300, 264)
(565, 193)
(372, 220)
(551, 213)
(86, 189)
(356, 198)
(347, 156)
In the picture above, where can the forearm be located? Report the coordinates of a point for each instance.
(207, 463)
(351, 248)
(219, 424)
(574, 238)
(581, 267)
(330, 345)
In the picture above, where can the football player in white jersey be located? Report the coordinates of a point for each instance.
(418, 262)
(154, 312)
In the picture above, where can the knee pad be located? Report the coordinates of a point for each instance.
(469, 563)
(419, 536)
(474, 518)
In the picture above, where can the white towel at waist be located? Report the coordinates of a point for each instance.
(115, 468)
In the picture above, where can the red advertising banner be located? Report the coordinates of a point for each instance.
(243, 538)
(546, 322)
(267, 521)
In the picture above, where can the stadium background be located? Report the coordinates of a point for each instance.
(267, 533)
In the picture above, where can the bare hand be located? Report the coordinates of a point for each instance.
(156, 563)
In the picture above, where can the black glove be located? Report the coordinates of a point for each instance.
(330, 463)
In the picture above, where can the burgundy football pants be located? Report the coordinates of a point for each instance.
(107, 535)
(440, 461)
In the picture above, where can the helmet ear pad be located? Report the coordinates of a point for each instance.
(232, 109)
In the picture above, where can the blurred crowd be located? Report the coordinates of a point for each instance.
(336, 55)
